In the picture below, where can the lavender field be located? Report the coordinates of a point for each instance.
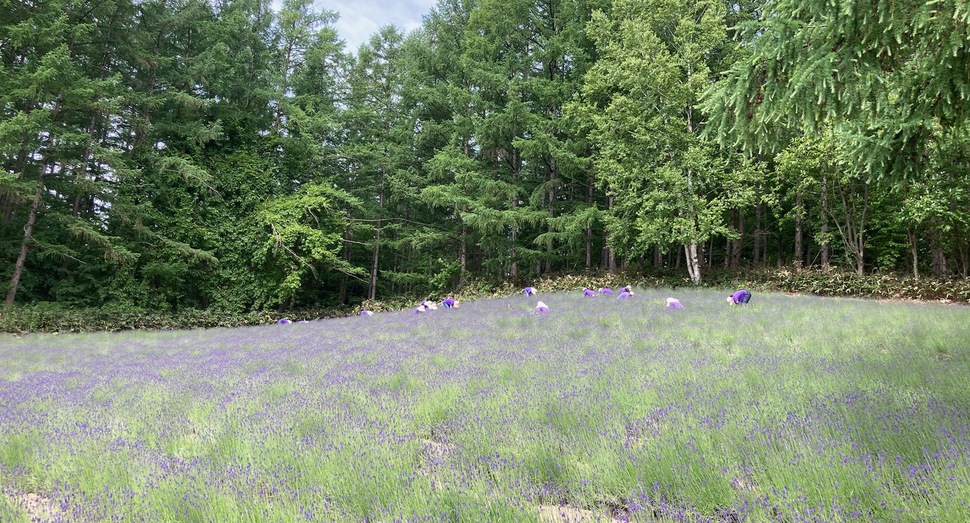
(789, 409)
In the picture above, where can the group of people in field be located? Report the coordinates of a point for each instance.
(425, 306)
(739, 297)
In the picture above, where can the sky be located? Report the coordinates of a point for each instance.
(359, 19)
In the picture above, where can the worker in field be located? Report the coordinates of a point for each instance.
(450, 303)
(588, 293)
(674, 303)
(542, 307)
(625, 294)
(605, 290)
(366, 313)
(530, 291)
(740, 297)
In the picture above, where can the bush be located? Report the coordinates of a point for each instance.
(833, 283)
(46, 317)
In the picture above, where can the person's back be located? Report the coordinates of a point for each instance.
(740, 297)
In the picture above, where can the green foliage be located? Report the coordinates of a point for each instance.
(304, 233)
(639, 99)
(891, 75)
(850, 284)
(232, 156)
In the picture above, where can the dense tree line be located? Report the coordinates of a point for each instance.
(173, 154)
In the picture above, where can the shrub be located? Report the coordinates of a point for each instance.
(47, 317)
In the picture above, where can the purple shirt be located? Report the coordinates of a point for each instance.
(449, 302)
(588, 293)
(741, 296)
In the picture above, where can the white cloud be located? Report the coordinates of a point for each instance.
(359, 19)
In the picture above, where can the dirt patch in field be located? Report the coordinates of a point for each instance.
(568, 514)
(37, 507)
(431, 458)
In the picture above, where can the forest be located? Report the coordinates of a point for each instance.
(235, 155)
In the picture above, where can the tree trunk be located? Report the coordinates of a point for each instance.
(514, 266)
(18, 268)
(588, 240)
(737, 248)
(346, 255)
(610, 256)
(799, 229)
(851, 223)
(825, 225)
(824, 251)
(372, 293)
(963, 250)
(710, 253)
(757, 235)
(463, 255)
(764, 235)
(693, 263)
(516, 169)
(553, 180)
(939, 263)
(914, 251)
